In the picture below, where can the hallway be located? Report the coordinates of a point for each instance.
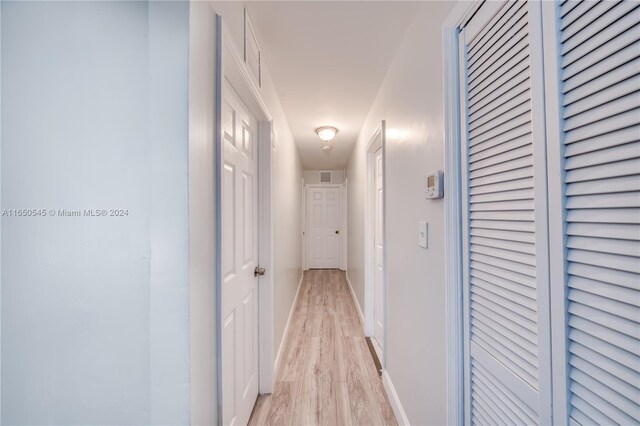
(326, 375)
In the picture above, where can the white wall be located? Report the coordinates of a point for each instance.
(94, 310)
(286, 181)
(202, 217)
(411, 101)
(313, 176)
(286, 192)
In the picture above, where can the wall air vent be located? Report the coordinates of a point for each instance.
(325, 177)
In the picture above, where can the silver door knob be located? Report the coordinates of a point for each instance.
(258, 271)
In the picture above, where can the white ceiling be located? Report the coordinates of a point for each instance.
(327, 60)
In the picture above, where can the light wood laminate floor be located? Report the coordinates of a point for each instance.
(326, 375)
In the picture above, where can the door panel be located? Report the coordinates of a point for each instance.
(239, 258)
(324, 212)
(505, 248)
(379, 245)
(600, 120)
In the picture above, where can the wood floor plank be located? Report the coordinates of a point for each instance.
(307, 387)
(327, 375)
(335, 404)
(363, 412)
(260, 410)
(281, 404)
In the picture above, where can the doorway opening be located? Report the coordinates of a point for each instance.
(375, 277)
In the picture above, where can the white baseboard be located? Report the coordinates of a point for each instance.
(276, 364)
(401, 417)
(355, 300)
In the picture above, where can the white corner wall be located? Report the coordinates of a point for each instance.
(202, 219)
(94, 309)
(411, 101)
(286, 181)
(286, 175)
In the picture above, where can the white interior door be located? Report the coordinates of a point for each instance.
(324, 213)
(239, 258)
(505, 247)
(600, 185)
(379, 245)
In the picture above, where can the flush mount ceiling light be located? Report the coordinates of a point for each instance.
(326, 133)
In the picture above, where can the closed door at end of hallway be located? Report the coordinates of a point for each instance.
(324, 237)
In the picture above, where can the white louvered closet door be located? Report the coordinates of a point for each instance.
(600, 127)
(505, 238)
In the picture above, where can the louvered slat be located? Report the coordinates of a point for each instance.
(618, 9)
(576, 13)
(481, 48)
(514, 75)
(607, 140)
(502, 95)
(603, 274)
(510, 312)
(605, 377)
(607, 230)
(622, 104)
(616, 75)
(595, 60)
(622, 365)
(604, 156)
(508, 398)
(513, 326)
(504, 292)
(567, 6)
(602, 171)
(601, 98)
(508, 343)
(611, 62)
(516, 54)
(508, 235)
(604, 186)
(503, 225)
(605, 35)
(586, 19)
(517, 133)
(508, 105)
(507, 331)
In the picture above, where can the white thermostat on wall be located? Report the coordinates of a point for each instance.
(434, 185)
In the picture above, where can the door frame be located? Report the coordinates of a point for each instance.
(377, 141)
(231, 66)
(305, 214)
(345, 223)
(459, 16)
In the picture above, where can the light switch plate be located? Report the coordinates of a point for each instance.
(422, 234)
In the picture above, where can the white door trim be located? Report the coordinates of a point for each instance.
(376, 142)
(345, 223)
(344, 231)
(230, 66)
(462, 12)
(303, 231)
(555, 189)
